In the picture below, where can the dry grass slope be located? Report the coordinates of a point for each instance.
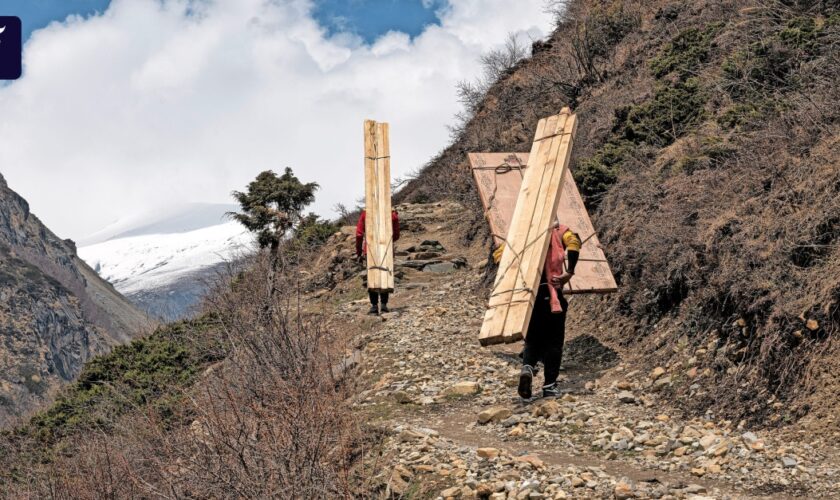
(708, 152)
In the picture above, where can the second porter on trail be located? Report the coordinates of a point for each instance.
(376, 297)
(379, 224)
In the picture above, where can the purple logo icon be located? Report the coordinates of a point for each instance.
(11, 45)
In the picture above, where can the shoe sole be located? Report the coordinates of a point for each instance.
(524, 388)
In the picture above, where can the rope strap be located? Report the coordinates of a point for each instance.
(559, 134)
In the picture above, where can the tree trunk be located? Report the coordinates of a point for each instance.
(274, 255)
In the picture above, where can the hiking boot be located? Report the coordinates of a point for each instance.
(551, 390)
(384, 308)
(526, 375)
(374, 310)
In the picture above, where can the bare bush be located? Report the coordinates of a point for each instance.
(270, 420)
(495, 64)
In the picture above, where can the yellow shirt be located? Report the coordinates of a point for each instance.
(570, 240)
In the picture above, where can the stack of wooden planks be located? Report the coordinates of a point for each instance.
(499, 179)
(378, 229)
(512, 300)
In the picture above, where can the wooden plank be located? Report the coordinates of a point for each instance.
(385, 234)
(592, 274)
(492, 330)
(502, 293)
(371, 200)
(516, 327)
(499, 178)
(516, 284)
(378, 230)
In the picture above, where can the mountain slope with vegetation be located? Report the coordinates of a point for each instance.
(55, 312)
(707, 151)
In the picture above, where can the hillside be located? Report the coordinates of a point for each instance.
(56, 313)
(422, 412)
(455, 427)
(707, 151)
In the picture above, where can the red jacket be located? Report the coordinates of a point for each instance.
(361, 244)
(554, 260)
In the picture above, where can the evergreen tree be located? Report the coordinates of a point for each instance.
(271, 207)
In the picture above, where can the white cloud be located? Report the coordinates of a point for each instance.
(158, 100)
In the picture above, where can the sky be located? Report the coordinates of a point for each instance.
(130, 105)
(36, 14)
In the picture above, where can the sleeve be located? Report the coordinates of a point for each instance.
(360, 233)
(395, 225)
(571, 241)
(497, 253)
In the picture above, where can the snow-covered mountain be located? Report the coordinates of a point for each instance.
(162, 261)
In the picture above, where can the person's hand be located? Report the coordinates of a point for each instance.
(559, 281)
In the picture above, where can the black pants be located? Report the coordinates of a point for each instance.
(546, 333)
(376, 297)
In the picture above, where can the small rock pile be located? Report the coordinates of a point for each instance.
(429, 256)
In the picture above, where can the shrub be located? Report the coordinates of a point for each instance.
(741, 115)
(313, 231)
(595, 36)
(686, 52)
(676, 106)
(661, 120)
(596, 174)
(149, 370)
(153, 419)
(771, 63)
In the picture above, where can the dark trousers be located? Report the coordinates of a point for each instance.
(376, 298)
(546, 333)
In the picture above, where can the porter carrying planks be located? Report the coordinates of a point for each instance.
(378, 230)
(512, 300)
(499, 177)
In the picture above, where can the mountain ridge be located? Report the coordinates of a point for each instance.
(164, 263)
(169, 219)
(56, 312)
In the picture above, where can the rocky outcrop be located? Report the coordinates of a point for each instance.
(55, 312)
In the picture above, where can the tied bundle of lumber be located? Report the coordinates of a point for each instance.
(512, 300)
(498, 177)
(378, 230)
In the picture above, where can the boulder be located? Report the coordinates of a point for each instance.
(657, 372)
(493, 414)
(532, 460)
(440, 268)
(465, 388)
(626, 397)
(623, 491)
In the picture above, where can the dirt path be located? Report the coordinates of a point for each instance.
(457, 430)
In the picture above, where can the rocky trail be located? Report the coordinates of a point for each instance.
(456, 429)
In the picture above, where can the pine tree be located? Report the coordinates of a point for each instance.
(271, 207)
